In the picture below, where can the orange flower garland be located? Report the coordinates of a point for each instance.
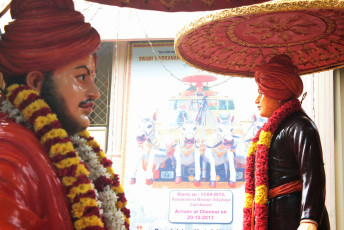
(256, 172)
(81, 191)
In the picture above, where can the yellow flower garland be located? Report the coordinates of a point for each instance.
(101, 155)
(19, 95)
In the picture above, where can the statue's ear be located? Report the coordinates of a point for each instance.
(35, 80)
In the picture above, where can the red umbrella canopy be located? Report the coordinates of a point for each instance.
(179, 5)
(199, 79)
(235, 41)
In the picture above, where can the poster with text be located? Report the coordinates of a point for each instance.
(187, 136)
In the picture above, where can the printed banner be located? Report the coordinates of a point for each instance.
(186, 140)
(201, 206)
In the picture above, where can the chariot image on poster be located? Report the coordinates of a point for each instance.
(187, 134)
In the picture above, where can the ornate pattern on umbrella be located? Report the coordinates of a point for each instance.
(179, 5)
(235, 41)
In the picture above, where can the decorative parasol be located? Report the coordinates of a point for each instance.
(199, 79)
(179, 5)
(235, 41)
(199, 85)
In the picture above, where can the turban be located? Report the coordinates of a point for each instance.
(279, 79)
(45, 35)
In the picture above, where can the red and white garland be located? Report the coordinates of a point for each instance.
(256, 172)
(93, 189)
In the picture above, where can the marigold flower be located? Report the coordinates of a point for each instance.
(60, 148)
(68, 181)
(102, 154)
(84, 133)
(110, 171)
(88, 221)
(33, 107)
(248, 200)
(54, 133)
(119, 189)
(252, 149)
(41, 121)
(81, 188)
(81, 170)
(79, 207)
(261, 196)
(265, 138)
(22, 96)
(10, 89)
(65, 163)
(92, 143)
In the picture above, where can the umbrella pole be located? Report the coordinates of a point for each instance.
(4, 11)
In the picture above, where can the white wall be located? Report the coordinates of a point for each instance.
(319, 105)
(99, 134)
(339, 147)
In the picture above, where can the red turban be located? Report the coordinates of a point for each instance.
(279, 79)
(45, 35)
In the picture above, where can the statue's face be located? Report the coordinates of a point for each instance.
(72, 93)
(266, 105)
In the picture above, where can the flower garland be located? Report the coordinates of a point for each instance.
(97, 199)
(256, 172)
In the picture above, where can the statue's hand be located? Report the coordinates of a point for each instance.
(307, 226)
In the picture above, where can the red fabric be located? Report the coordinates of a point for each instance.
(279, 79)
(31, 194)
(179, 5)
(294, 186)
(46, 34)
